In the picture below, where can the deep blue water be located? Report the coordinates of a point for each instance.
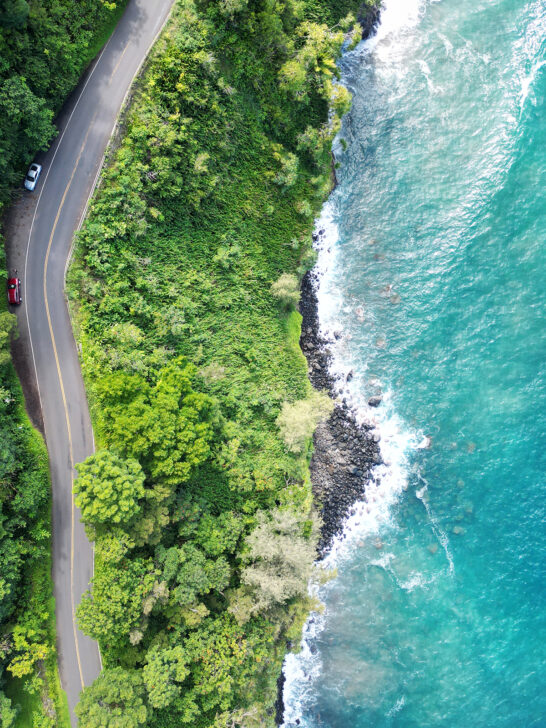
(435, 273)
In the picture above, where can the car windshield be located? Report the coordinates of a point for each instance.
(11, 285)
(30, 177)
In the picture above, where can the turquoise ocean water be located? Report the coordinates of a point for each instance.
(434, 272)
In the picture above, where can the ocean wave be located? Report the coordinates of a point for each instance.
(439, 532)
(527, 83)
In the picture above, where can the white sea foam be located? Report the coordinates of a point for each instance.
(416, 579)
(370, 515)
(425, 70)
(448, 45)
(527, 83)
(440, 534)
(397, 16)
(374, 512)
(397, 707)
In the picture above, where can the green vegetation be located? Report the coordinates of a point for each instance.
(183, 286)
(29, 685)
(44, 47)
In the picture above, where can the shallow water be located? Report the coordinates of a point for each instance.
(433, 270)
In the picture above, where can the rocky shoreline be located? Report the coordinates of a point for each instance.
(345, 451)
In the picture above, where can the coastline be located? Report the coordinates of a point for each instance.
(345, 452)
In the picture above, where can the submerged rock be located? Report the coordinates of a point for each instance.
(375, 401)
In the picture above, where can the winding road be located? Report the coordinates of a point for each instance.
(39, 233)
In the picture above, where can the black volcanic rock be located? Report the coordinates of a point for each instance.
(344, 450)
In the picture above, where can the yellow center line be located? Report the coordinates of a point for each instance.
(118, 63)
(63, 394)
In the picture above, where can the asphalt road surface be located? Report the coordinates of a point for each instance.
(39, 231)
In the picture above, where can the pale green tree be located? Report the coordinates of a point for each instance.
(286, 289)
(298, 420)
(281, 558)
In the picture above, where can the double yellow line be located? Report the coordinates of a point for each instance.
(59, 372)
(52, 335)
(63, 394)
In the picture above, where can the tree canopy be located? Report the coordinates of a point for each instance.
(114, 700)
(108, 489)
(44, 47)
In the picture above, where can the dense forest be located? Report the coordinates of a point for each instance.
(184, 292)
(27, 627)
(44, 47)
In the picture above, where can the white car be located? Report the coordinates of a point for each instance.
(32, 176)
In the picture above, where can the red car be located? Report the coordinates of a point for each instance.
(14, 291)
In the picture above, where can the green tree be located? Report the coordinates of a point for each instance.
(30, 646)
(223, 657)
(114, 700)
(8, 714)
(13, 13)
(231, 7)
(168, 427)
(192, 573)
(163, 674)
(289, 163)
(108, 489)
(26, 114)
(220, 534)
(8, 324)
(115, 605)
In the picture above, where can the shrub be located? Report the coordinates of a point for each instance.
(298, 421)
(287, 290)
